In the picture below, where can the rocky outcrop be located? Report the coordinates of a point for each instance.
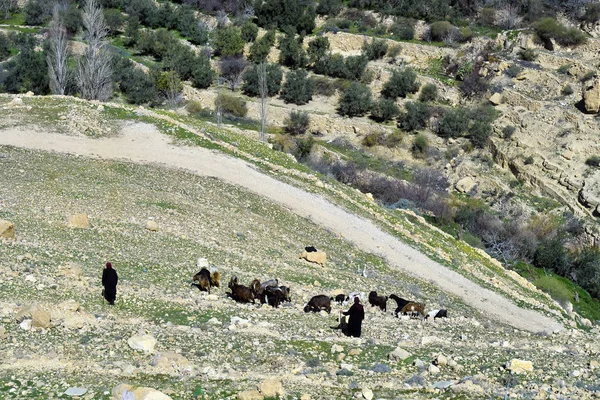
(591, 96)
(317, 257)
(7, 229)
(78, 221)
(40, 318)
(144, 343)
(124, 391)
(152, 225)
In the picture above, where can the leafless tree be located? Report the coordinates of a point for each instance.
(232, 69)
(508, 17)
(7, 6)
(170, 86)
(264, 98)
(94, 74)
(58, 54)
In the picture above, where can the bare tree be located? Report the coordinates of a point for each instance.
(264, 98)
(7, 6)
(94, 74)
(232, 69)
(170, 86)
(58, 54)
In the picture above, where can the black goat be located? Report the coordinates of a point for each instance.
(318, 303)
(379, 301)
(400, 302)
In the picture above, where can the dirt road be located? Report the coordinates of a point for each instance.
(142, 143)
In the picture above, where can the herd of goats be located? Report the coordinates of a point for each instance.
(271, 293)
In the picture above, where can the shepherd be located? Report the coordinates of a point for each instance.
(356, 315)
(109, 282)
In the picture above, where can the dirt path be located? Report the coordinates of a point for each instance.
(142, 143)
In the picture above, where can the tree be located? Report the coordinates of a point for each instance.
(318, 49)
(228, 41)
(298, 88)
(428, 93)
(329, 7)
(415, 117)
(252, 83)
(285, 14)
(7, 6)
(297, 123)
(28, 71)
(169, 85)
(356, 100)
(263, 89)
(260, 48)
(249, 31)
(384, 110)
(94, 74)
(202, 74)
(454, 123)
(57, 55)
(402, 82)
(292, 54)
(5, 43)
(114, 20)
(232, 69)
(376, 49)
(36, 12)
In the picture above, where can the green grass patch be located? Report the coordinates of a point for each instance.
(15, 19)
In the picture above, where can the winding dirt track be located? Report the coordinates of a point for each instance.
(142, 143)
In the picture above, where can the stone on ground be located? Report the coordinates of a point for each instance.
(40, 318)
(78, 221)
(7, 229)
(317, 257)
(520, 366)
(271, 388)
(144, 343)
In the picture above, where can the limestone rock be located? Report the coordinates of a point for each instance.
(465, 185)
(468, 388)
(25, 325)
(367, 393)
(591, 96)
(78, 221)
(495, 99)
(441, 360)
(318, 257)
(17, 101)
(433, 370)
(75, 391)
(271, 388)
(250, 395)
(3, 334)
(152, 225)
(7, 229)
(399, 354)
(519, 366)
(40, 318)
(124, 391)
(144, 343)
(171, 363)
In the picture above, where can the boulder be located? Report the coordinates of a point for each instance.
(591, 96)
(152, 225)
(3, 334)
(250, 395)
(170, 363)
(39, 317)
(465, 185)
(271, 388)
(468, 388)
(75, 391)
(128, 392)
(495, 99)
(517, 366)
(399, 354)
(367, 393)
(144, 343)
(78, 221)
(7, 229)
(317, 257)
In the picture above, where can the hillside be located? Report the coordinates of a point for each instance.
(202, 349)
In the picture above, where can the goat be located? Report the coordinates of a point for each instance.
(215, 279)
(413, 309)
(260, 292)
(274, 296)
(255, 285)
(340, 298)
(240, 293)
(286, 293)
(379, 301)
(400, 303)
(202, 280)
(318, 303)
(437, 314)
(351, 296)
(310, 249)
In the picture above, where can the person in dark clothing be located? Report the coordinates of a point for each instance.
(356, 315)
(109, 282)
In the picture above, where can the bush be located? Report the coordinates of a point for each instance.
(134, 84)
(373, 139)
(592, 13)
(465, 34)
(474, 85)
(297, 123)
(71, 18)
(548, 28)
(479, 133)
(394, 51)
(27, 71)
(415, 117)
(420, 146)
(251, 82)
(202, 74)
(298, 88)
(487, 16)
(323, 86)
(555, 288)
(429, 92)
(249, 31)
(587, 269)
(527, 54)
(588, 76)
(508, 131)
(403, 29)
(394, 139)
(5, 44)
(374, 50)
(232, 68)
(454, 123)
(567, 90)
(384, 110)
(318, 49)
(114, 20)
(513, 71)
(593, 161)
(37, 12)
(260, 48)
(195, 108)
(228, 41)
(563, 69)
(356, 101)
(402, 82)
(182, 59)
(440, 30)
(329, 7)
(286, 14)
(528, 160)
(292, 54)
(355, 67)
(232, 105)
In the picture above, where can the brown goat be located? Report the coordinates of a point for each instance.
(413, 309)
(240, 293)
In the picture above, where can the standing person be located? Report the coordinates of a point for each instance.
(356, 315)
(109, 282)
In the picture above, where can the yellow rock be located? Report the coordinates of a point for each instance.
(520, 366)
(318, 257)
(78, 221)
(7, 229)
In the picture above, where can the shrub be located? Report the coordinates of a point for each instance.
(260, 48)
(232, 69)
(394, 51)
(454, 123)
(374, 50)
(71, 17)
(479, 133)
(195, 108)
(487, 16)
(440, 30)
(428, 93)
(587, 269)
(555, 288)
(567, 90)
(333, 65)
(420, 146)
(232, 105)
(286, 14)
(297, 123)
(588, 76)
(5, 44)
(527, 54)
(298, 88)
(513, 71)
(182, 59)
(548, 28)
(465, 34)
(134, 84)
(563, 69)
(593, 161)
(373, 139)
(318, 49)
(508, 131)
(323, 86)
(251, 80)
(355, 67)
(474, 85)
(528, 160)
(551, 254)
(303, 148)
(202, 74)
(415, 117)
(228, 41)
(356, 101)
(249, 31)
(592, 13)
(292, 54)
(384, 110)
(37, 12)
(402, 82)
(403, 29)
(329, 7)
(27, 71)
(394, 139)
(114, 20)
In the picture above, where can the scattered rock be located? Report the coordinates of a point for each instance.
(443, 384)
(144, 343)
(128, 392)
(78, 221)
(433, 369)
(591, 96)
(318, 257)
(441, 360)
(399, 354)
(100, 108)
(495, 99)
(250, 395)
(519, 366)
(7, 229)
(354, 352)
(367, 393)
(152, 225)
(465, 185)
(336, 348)
(3, 334)
(171, 363)
(75, 391)
(40, 318)
(271, 388)
(305, 396)
(25, 325)
(467, 388)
